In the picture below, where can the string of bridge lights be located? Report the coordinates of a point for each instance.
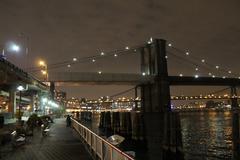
(90, 59)
(200, 62)
(188, 62)
(213, 95)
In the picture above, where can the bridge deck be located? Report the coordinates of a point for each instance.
(95, 78)
(62, 144)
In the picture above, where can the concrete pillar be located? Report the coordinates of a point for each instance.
(157, 95)
(12, 102)
(52, 90)
(162, 127)
(144, 62)
(32, 103)
(235, 124)
(152, 67)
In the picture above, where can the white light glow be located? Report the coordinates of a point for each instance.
(20, 88)
(44, 100)
(151, 39)
(15, 47)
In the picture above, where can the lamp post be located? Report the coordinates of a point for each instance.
(20, 89)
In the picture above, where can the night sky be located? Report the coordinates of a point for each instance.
(59, 30)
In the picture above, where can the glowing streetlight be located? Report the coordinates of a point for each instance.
(20, 88)
(44, 68)
(42, 63)
(11, 48)
(15, 48)
(44, 72)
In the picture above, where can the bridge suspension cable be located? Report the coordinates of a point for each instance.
(90, 59)
(122, 92)
(198, 62)
(188, 61)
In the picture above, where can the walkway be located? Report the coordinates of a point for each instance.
(62, 144)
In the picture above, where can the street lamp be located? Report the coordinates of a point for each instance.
(12, 48)
(44, 69)
(42, 63)
(15, 48)
(20, 88)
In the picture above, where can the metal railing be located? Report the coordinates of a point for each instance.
(102, 148)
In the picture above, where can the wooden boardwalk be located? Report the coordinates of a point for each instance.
(63, 143)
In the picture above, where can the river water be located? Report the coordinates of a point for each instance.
(207, 135)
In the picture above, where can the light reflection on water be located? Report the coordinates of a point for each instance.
(207, 135)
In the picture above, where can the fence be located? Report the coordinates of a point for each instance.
(99, 146)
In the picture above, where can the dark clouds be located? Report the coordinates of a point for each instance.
(61, 29)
